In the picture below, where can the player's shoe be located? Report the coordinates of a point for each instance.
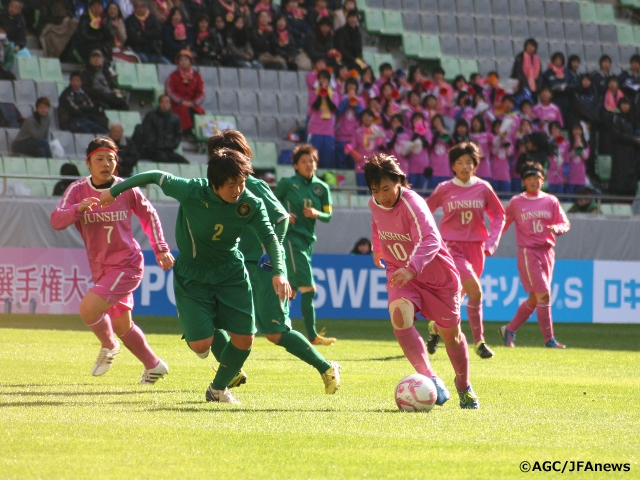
(322, 340)
(152, 375)
(508, 337)
(331, 378)
(239, 379)
(483, 350)
(468, 398)
(104, 360)
(222, 396)
(553, 343)
(432, 339)
(441, 388)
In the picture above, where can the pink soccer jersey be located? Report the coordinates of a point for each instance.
(532, 216)
(439, 158)
(577, 168)
(484, 141)
(107, 232)
(464, 206)
(500, 159)
(555, 173)
(407, 236)
(550, 113)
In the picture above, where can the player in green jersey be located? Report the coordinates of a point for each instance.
(307, 199)
(272, 315)
(211, 285)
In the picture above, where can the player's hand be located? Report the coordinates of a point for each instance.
(87, 204)
(310, 212)
(401, 277)
(281, 287)
(165, 260)
(265, 263)
(552, 229)
(377, 260)
(292, 218)
(106, 198)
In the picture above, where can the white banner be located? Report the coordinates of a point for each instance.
(616, 292)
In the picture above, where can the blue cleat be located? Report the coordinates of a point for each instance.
(508, 337)
(441, 388)
(468, 398)
(553, 343)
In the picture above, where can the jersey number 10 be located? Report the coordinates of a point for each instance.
(398, 252)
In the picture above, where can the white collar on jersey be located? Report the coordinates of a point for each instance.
(531, 197)
(472, 181)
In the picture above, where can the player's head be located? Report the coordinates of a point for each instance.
(384, 179)
(226, 172)
(532, 175)
(464, 159)
(305, 160)
(102, 159)
(231, 139)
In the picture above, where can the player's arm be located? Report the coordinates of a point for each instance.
(171, 185)
(71, 208)
(376, 248)
(282, 188)
(561, 223)
(423, 230)
(435, 200)
(495, 211)
(151, 226)
(327, 208)
(510, 216)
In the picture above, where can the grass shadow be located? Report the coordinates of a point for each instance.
(81, 394)
(31, 404)
(232, 409)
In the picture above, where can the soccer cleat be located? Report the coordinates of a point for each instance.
(104, 360)
(432, 339)
(331, 378)
(468, 398)
(508, 337)
(483, 350)
(322, 340)
(222, 396)
(239, 379)
(152, 375)
(553, 343)
(441, 388)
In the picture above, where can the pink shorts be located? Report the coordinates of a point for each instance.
(535, 266)
(468, 257)
(116, 287)
(441, 305)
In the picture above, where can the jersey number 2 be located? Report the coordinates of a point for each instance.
(218, 228)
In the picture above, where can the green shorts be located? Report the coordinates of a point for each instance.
(272, 316)
(298, 255)
(213, 297)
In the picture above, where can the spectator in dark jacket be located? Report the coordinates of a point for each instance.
(320, 43)
(264, 43)
(630, 82)
(624, 179)
(144, 34)
(12, 22)
(33, 137)
(555, 77)
(176, 35)
(207, 50)
(127, 151)
(56, 26)
(348, 40)
(219, 38)
(228, 9)
(66, 170)
(527, 66)
(299, 28)
(573, 76)
(7, 57)
(76, 111)
(94, 32)
(162, 133)
(194, 9)
(285, 46)
(100, 86)
(601, 77)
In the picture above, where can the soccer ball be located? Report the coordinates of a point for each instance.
(416, 393)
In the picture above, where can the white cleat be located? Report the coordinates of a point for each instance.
(331, 378)
(152, 375)
(222, 396)
(104, 360)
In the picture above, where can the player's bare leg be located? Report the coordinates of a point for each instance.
(92, 312)
(309, 316)
(471, 286)
(456, 344)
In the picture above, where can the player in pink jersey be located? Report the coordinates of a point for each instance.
(484, 140)
(556, 171)
(465, 199)
(547, 112)
(539, 219)
(578, 156)
(115, 257)
(421, 274)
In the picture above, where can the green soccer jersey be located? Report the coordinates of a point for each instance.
(250, 244)
(208, 228)
(297, 193)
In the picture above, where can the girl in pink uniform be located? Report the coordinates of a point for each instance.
(539, 219)
(421, 274)
(578, 156)
(115, 257)
(556, 171)
(484, 141)
(465, 199)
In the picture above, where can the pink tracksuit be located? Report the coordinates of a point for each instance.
(484, 142)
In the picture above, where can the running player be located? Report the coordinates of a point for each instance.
(115, 257)
(420, 272)
(211, 286)
(307, 199)
(539, 219)
(272, 315)
(465, 199)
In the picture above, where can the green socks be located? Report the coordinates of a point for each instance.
(309, 314)
(220, 340)
(231, 361)
(298, 346)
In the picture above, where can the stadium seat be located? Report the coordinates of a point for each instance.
(467, 25)
(393, 22)
(12, 133)
(429, 23)
(451, 66)
(621, 210)
(449, 45)
(535, 8)
(37, 166)
(285, 125)
(558, 47)
(500, 8)
(227, 102)
(172, 168)
(209, 77)
(537, 30)
(484, 27)
(608, 34)
(147, 74)
(226, 119)
(210, 103)
(573, 32)
(55, 164)
(284, 171)
(200, 121)
(482, 8)
(613, 52)
(14, 165)
(553, 10)
(380, 58)
(36, 188)
(130, 119)
(604, 13)
(67, 142)
(625, 34)
(570, 11)
(247, 103)
(503, 48)
(590, 33)
(248, 79)
(485, 48)
(373, 20)
(502, 27)
(519, 28)
(6, 92)
(411, 6)
(302, 81)
(486, 65)
(188, 170)
(518, 9)
(367, 56)
(25, 91)
(555, 31)
(4, 147)
(127, 76)
(164, 71)
(112, 115)
(302, 104)
(468, 66)
(228, 78)
(267, 103)
(28, 69)
(267, 128)
(50, 69)
(287, 105)
(48, 90)
(467, 47)
(447, 24)
(268, 80)
(49, 186)
(592, 53)
(626, 51)
(606, 209)
(636, 34)
(431, 47)
(375, 4)
(603, 167)
(395, 5)
(412, 44)
(588, 12)
(340, 199)
(266, 155)
(145, 166)
(411, 22)
(81, 141)
(430, 6)
(288, 82)
(464, 7)
(247, 125)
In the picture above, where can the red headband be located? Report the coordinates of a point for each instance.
(102, 149)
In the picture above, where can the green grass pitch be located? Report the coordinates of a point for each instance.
(57, 421)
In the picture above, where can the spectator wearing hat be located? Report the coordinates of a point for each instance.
(176, 36)
(100, 86)
(144, 34)
(162, 132)
(348, 40)
(33, 137)
(12, 22)
(76, 111)
(186, 90)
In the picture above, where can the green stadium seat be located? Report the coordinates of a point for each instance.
(412, 45)
(636, 36)
(349, 177)
(14, 165)
(129, 120)
(55, 164)
(37, 166)
(340, 199)
(468, 66)
(265, 155)
(566, 206)
(145, 166)
(50, 69)
(199, 122)
(252, 145)
(151, 192)
(626, 34)
(379, 59)
(203, 170)
(606, 209)
(603, 167)
(628, 3)
(431, 46)
(80, 163)
(127, 76)
(451, 66)
(36, 187)
(373, 20)
(363, 201)
(367, 56)
(112, 115)
(49, 185)
(147, 76)
(28, 69)
(188, 170)
(588, 12)
(284, 171)
(229, 119)
(393, 22)
(604, 13)
(622, 210)
(172, 168)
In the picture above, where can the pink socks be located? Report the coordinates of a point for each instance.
(459, 357)
(474, 313)
(101, 327)
(521, 316)
(415, 350)
(137, 344)
(544, 320)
